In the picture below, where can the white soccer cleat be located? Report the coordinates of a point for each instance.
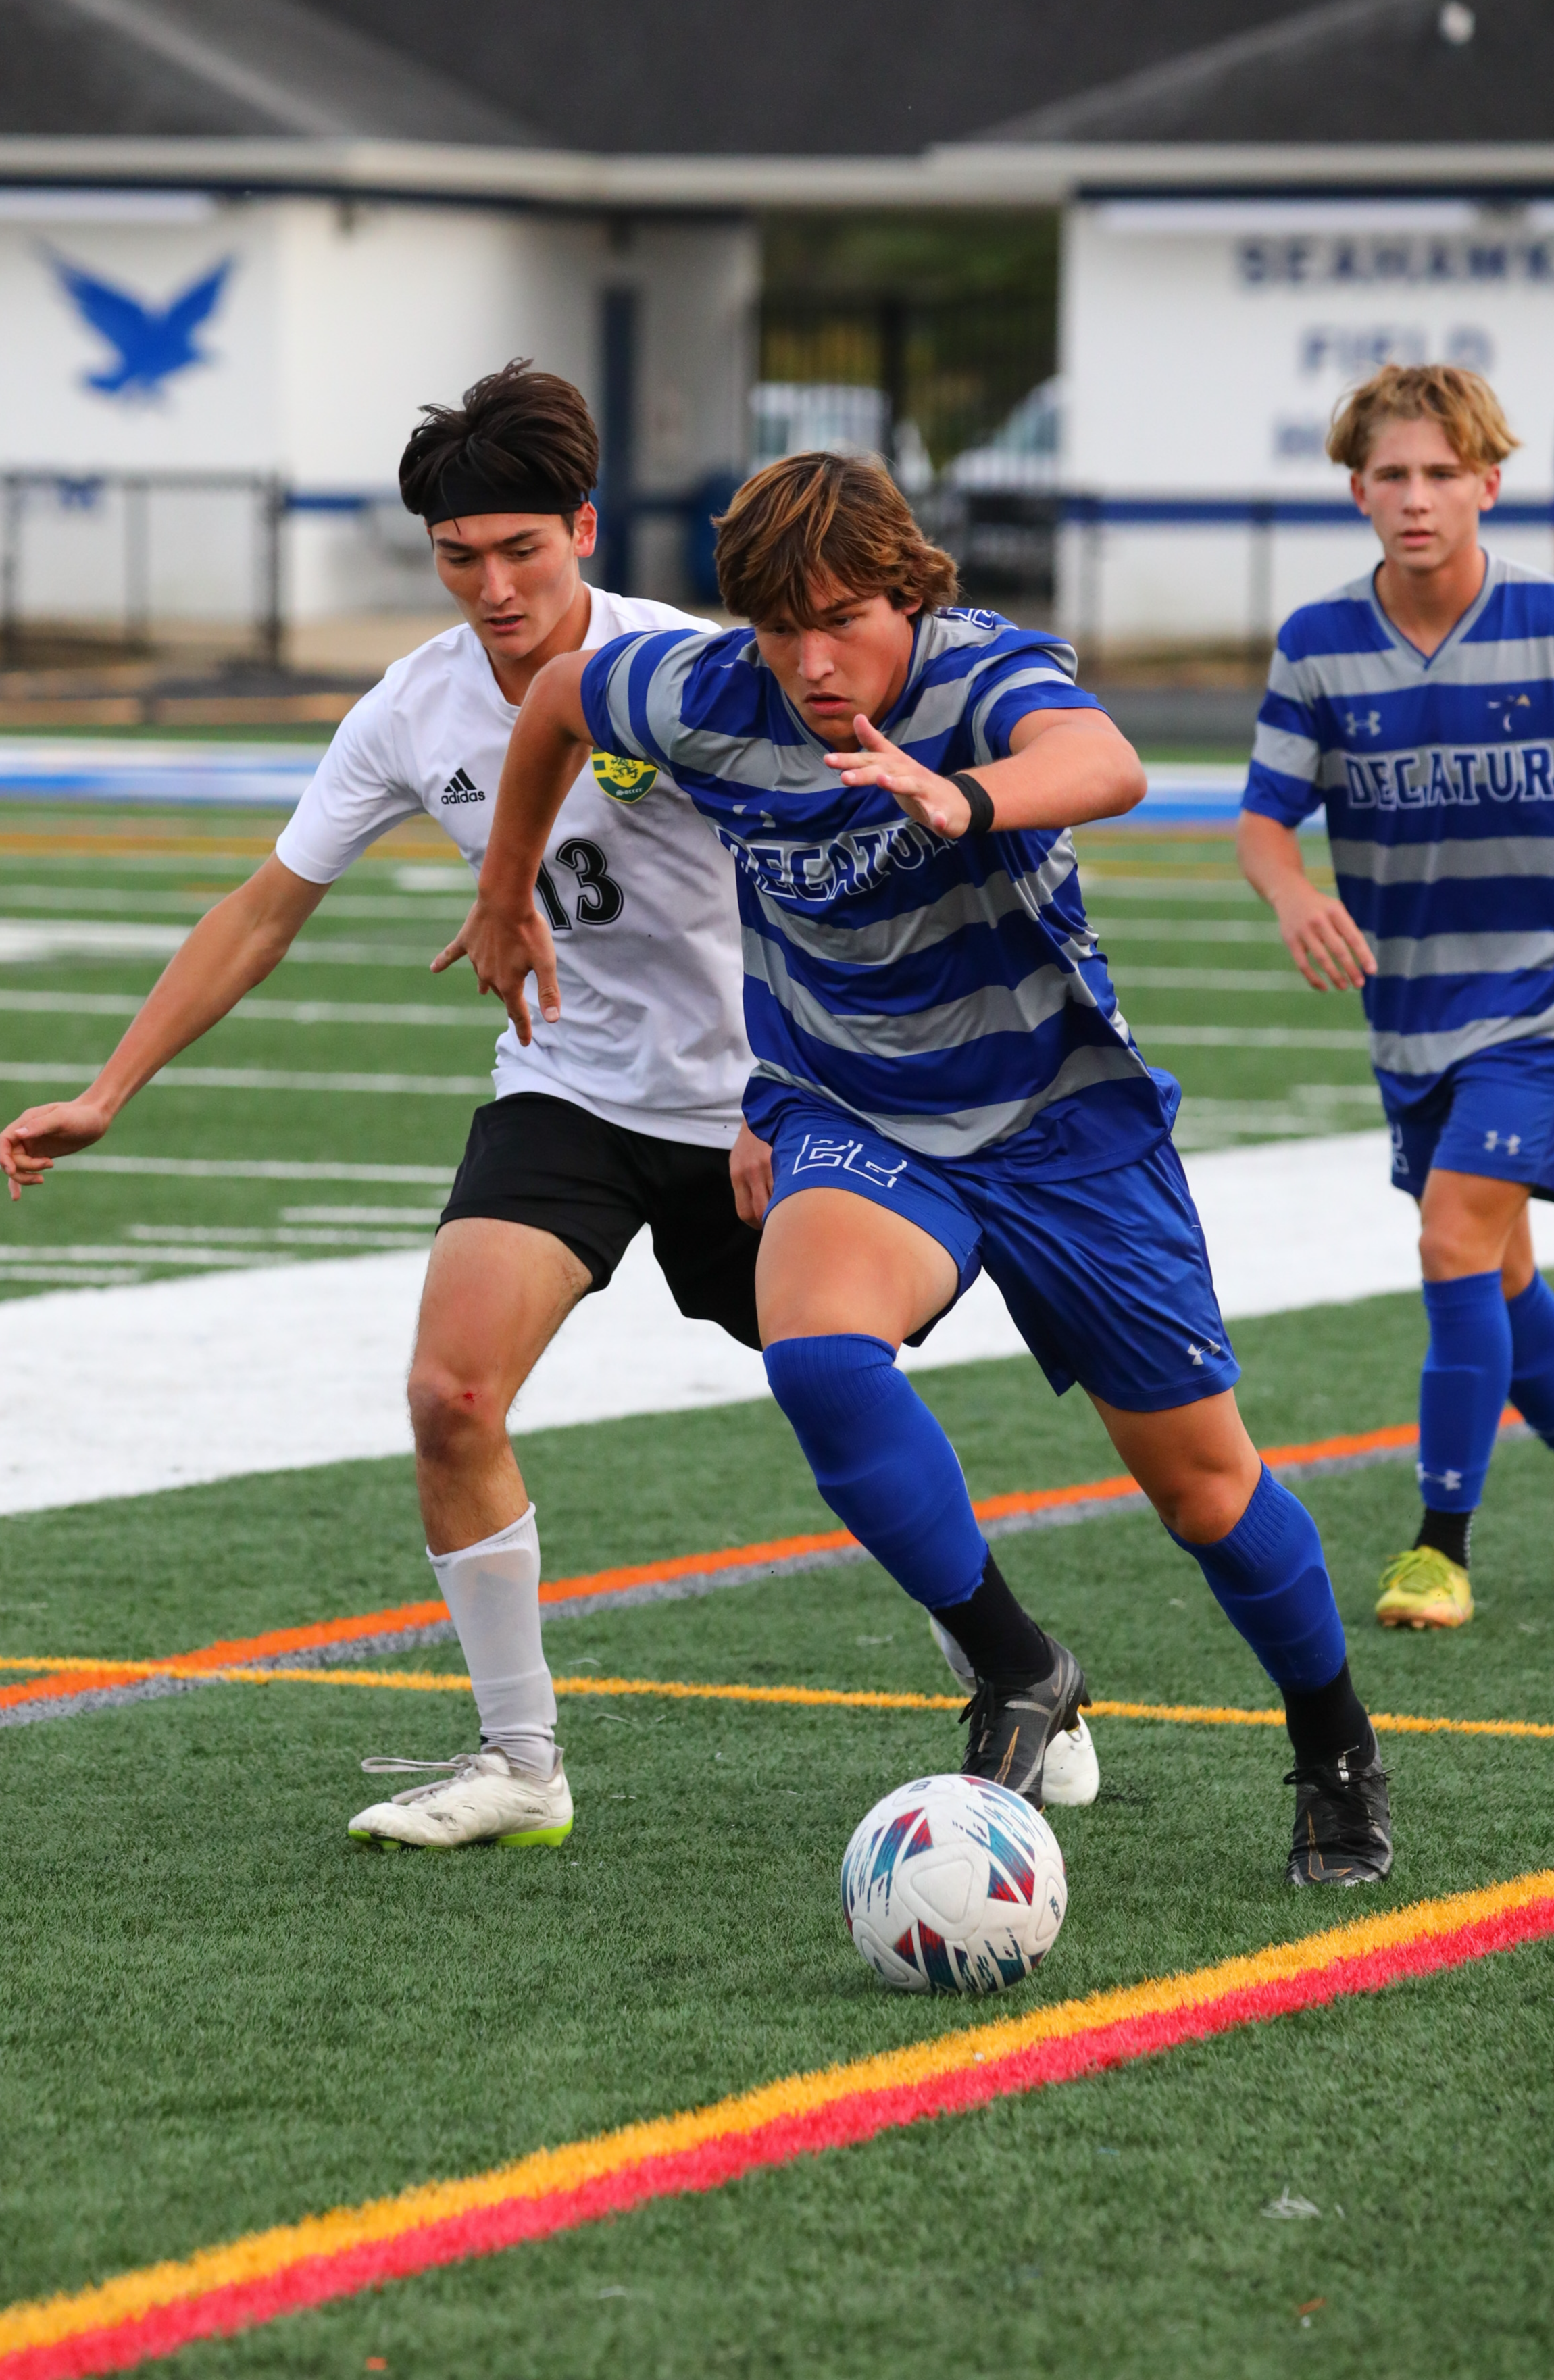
(1071, 1777)
(485, 1799)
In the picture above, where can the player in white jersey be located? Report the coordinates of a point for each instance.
(622, 1112)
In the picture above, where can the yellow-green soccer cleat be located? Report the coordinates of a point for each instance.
(1424, 1588)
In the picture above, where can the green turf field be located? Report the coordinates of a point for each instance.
(218, 2016)
(397, 1057)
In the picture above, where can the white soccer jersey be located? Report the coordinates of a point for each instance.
(639, 893)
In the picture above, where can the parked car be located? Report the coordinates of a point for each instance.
(838, 418)
(1025, 453)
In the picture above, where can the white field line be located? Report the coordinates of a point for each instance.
(31, 941)
(1184, 930)
(198, 905)
(1222, 979)
(261, 1011)
(1121, 886)
(262, 1078)
(119, 1391)
(263, 1169)
(1250, 1037)
(193, 1235)
(79, 1276)
(27, 941)
(40, 1255)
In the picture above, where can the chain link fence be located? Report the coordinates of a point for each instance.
(108, 557)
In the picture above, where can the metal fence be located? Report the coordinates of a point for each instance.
(924, 383)
(952, 368)
(106, 555)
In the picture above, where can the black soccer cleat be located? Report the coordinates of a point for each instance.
(1012, 1726)
(1344, 1823)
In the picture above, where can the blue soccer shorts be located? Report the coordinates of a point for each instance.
(1492, 1115)
(1107, 1278)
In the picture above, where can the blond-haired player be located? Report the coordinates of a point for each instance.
(1416, 704)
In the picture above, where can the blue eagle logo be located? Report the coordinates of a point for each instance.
(149, 342)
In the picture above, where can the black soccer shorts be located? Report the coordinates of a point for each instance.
(534, 1159)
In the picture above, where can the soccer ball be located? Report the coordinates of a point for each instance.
(953, 1885)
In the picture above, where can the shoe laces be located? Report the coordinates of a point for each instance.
(1344, 1772)
(982, 1708)
(1415, 1573)
(379, 1764)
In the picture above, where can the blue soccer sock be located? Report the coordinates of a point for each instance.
(1270, 1581)
(881, 1462)
(1462, 1389)
(1530, 1316)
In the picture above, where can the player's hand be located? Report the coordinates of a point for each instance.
(504, 950)
(933, 801)
(1323, 939)
(749, 1166)
(28, 1147)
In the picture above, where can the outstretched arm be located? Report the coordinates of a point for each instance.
(1064, 769)
(1319, 934)
(235, 946)
(504, 938)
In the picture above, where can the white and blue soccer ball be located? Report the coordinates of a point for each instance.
(953, 1885)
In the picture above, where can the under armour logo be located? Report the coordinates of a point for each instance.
(1365, 722)
(1450, 1480)
(1210, 1347)
(1510, 1141)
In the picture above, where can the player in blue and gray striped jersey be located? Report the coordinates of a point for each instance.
(946, 1083)
(1417, 705)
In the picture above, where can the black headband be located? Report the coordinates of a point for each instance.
(463, 492)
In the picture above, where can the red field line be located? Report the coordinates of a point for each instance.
(256, 2279)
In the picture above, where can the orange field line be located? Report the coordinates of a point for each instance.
(987, 1508)
(440, 1682)
(406, 1618)
(151, 2313)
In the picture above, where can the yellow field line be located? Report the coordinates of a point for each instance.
(1384, 1942)
(454, 1681)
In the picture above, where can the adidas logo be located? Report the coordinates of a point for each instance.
(461, 787)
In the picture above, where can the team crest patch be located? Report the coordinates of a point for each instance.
(623, 780)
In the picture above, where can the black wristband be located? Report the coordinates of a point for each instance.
(981, 801)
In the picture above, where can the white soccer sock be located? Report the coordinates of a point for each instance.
(493, 1591)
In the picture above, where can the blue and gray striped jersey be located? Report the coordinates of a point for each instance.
(949, 992)
(1439, 780)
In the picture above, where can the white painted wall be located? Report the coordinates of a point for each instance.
(1205, 345)
(333, 326)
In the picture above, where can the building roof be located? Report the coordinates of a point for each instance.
(685, 103)
(1346, 70)
(684, 77)
(806, 77)
(226, 67)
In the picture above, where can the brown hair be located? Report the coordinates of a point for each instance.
(516, 424)
(814, 521)
(1462, 403)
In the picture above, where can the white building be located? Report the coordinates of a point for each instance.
(181, 332)
(1207, 341)
(252, 236)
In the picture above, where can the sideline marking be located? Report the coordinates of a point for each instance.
(140, 2316)
(684, 1574)
(72, 1667)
